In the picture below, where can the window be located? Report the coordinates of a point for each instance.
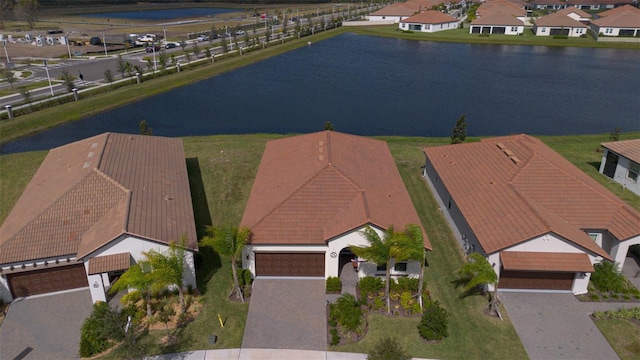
(543, 30)
(401, 266)
(608, 31)
(594, 237)
(634, 169)
(514, 28)
(382, 267)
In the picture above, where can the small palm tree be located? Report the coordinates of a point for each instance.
(228, 242)
(413, 243)
(167, 270)
(380, 251)
(478, 272)
(138, 278)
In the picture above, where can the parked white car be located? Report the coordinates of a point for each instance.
(203, 38)
(240, 32)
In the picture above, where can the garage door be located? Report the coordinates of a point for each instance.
(47, 280)
(290, 264)
(536, 280)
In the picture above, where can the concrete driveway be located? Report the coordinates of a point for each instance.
(556, 326)
(287, 314)
(45, 327)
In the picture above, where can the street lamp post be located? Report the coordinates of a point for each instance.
(4, 44)
(104, 43)
(155, 64)
(68, 48)
(46, 69)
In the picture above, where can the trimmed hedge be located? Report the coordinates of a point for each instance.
(334, 285)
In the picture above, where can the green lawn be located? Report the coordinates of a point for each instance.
(222, 169)
(623, 335)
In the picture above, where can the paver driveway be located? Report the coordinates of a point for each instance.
(287, 314)
(45, 327)
(556, 326)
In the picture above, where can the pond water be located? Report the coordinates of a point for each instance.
(378, 86)
(164, 14)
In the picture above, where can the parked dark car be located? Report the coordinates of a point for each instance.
(152, 48)
(95, 41)
(170, 45)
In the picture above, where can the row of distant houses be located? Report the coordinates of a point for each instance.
(511, 17)
(94, 207)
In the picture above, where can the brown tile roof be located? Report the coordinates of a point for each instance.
(311, 188)
(497, 19)
(430, 17)
(500, 7)
(619, 10)
(627, 148)
(546, 261)
(559, 20)
(622, 19)
(512, 189)
(107, 263)
(573, 10)
(89, 192)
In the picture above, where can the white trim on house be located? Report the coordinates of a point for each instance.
(627, 172)
(429, 28)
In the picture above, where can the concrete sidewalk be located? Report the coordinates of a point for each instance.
(262, 354)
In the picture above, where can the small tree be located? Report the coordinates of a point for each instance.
(434, 323)
(121, 65)
(478, 272)
(67, 79)
(108, 76)
(27, 9)
(138, 278)
(26, 94)
(196, 49)
(387, 348)
(228, 242)
(167, 269)
(144, 128)
(459, 131)
(328, 125)
(9, 76)
(615, 134)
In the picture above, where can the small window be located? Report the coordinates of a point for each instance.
(401, 266)
(634, 169)
(543, 30)
(382, 267)
(514, 29)
(594, 237)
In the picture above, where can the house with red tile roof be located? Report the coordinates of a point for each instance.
(312, 197)
(621, 162)
(429, 21)
(576, 14)
(598, 4)
(540, 221)
(621, 21)
(499, 17)
(401, 10)
(559, 24)
(91, 210)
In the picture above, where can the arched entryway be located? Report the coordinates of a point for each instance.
(348, 275)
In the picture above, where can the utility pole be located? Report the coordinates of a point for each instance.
(46, 68)
(104, 43)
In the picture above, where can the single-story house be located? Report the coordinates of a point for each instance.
(501, 7)
(621, 162)
(598, 4)
(621, 21)
(558, 24)
(540, 221)
(393, 13)
(497, 24)
(312, 197)
(548, 4)
(90, 211)
(429, 21)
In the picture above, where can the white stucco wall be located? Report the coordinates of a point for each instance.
(621, 174)
(430, 28)
(136, 247)
(5, 294)
(332, 255)
(386, 19)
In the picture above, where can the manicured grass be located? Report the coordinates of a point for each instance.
(463, 36)
(623, 335)
(222, 170)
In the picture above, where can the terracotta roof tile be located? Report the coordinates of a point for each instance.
(619, 10)
(311, 188)
(87, 193)
(430, 17)
(573, 10)
(627, 148)
(507, 202)
(107, 263)
(546, 261)
(556, 19)
(497, 19)
(397, 9)
(626, 19)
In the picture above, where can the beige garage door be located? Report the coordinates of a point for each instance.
(47, 280)
(290, 264)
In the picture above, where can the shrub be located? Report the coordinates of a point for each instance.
(562, 37)
(100, 330)
(607, 277)
(348, 312)
(378, 302)
(408, 284)
(335, 338)
(370, 284)
(334, 284)
(387, 349)
(434, 323)
(406, 300)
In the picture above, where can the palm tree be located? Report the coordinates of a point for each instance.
(138, 278)
(413, 243)
(228, 242)
(167, 269)
(380, 251)
(478, 272)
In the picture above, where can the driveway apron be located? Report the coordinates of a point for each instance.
(555, 326)
(287, 314)
(45, 327)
